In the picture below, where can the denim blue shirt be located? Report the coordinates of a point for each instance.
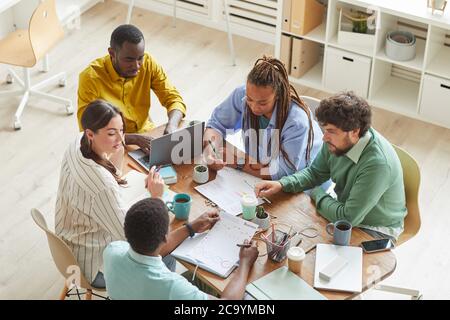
(230, 116)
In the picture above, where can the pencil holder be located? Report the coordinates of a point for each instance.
(277, 245)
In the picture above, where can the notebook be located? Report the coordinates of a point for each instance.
(135, 189)
(216, 250)
(349, 278)
(168, 174)
(282, 284)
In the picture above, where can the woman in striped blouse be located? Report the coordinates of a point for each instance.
(89, 209)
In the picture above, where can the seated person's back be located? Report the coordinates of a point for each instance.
(134, 269)
(131, 275)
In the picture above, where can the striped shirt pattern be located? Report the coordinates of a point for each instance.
(89, 209)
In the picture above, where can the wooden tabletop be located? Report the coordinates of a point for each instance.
(295, 210)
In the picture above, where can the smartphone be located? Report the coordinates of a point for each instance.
(377, 245)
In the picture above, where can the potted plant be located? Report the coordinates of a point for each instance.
(262, 218)
(201, 174)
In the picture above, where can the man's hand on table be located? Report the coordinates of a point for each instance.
(206, 221)
(139, 140)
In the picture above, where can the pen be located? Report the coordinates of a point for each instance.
(212, 147)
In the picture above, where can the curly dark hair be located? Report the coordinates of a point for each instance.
(125, 32)
(146, 225)
(345, 110)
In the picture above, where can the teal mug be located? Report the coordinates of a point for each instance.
(180, 206)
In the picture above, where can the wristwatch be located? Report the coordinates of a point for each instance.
(190, 229)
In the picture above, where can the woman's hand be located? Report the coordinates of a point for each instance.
(154, 183)
(214, 160)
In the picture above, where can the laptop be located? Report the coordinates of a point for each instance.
(178, 147)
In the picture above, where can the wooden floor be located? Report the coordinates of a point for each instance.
(198, 63)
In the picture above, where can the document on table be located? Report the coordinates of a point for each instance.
(216, 251)
(228, 188)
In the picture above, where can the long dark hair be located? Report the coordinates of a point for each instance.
(96, 116)
(271, 72)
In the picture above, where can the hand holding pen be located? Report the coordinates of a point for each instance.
(248, 253)
(213, 160)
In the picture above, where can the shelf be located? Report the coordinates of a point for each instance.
(397, 95)
(351, 48)
(313, 78)
(316, 35)
(440, 65)
(416, 63)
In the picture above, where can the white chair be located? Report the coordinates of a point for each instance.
(25, 48)
(312, 103)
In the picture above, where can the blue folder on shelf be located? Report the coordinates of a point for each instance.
(282, 284)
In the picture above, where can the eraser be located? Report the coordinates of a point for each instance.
(332, 268)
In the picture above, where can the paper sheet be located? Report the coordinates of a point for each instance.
(228, 188)
(216, 250)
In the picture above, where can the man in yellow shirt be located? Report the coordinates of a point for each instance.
(124, 78)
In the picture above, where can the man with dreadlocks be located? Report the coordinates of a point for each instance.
(279, 132)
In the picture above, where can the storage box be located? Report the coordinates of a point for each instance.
(286, 14)
(305, 54)
(305, 16)
(286, 51)
(346, 36)
(347, 71)
(434, 104)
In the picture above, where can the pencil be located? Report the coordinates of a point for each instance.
(264, 198)
(267, 200)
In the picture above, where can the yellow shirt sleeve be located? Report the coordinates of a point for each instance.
(167, 94)
(87, 92)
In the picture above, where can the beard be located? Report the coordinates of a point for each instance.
(340, 151)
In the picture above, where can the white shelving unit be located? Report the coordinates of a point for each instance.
(254, 19)
(397, 86)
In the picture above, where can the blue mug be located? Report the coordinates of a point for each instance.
(180, 206)
(341, 231)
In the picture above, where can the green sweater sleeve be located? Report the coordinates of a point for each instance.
(314, 175)
(369, 187)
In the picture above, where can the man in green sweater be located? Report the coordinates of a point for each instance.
(360, 161)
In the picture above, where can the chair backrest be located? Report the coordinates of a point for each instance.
(312, 103)
(411, 180)
(45, 29)
(61, 253)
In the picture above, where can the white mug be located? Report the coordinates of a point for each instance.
(200, 176)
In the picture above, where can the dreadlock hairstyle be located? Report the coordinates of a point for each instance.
(96, 116)
(271, 72)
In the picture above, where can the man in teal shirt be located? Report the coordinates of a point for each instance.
(134, 270)
(360, 161)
